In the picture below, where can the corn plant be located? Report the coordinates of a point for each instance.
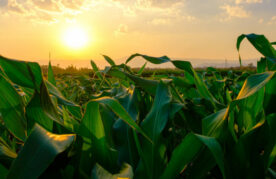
(119, 124)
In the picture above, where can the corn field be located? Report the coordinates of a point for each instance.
(119, 124)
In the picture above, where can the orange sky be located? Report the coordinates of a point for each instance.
(186, 29)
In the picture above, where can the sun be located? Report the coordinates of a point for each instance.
(75, 37)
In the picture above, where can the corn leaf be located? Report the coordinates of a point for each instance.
(100, 173)
(12, 109)
(39, 151)
(26, 74)
(51, 76)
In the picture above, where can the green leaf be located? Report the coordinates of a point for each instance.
(250, 110)
(70, 123)
(123, 134)
(12, 109)
(36, 113)
(260, 42)
(270, 96)
(155, 60)
(261, 65)
(26, 74)
(118, 109)
(94, 66)
(92, 129)
(61, 99)
(271, 119)
(187, 150)
(141, 69)
(214, 124)
(3, 171)
(147, 84)
(156, 119)
(109, 60)
(254, 83)
(272, 173)
(5, 151)
(154, 124)
(182, 155)
(183, 65)
(51, 76)
(38, 153)
(42, 110)
(96, 70)
(216, 150)
(100, 173)
(245, 158)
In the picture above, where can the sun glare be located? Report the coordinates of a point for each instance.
(75, 38)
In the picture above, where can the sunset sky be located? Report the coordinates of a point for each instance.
(187, 29)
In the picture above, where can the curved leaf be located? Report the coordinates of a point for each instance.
(155, 60)
(187, 150)
(182, 155)
(100, 173)
(109, 60)
(26, 74)
(38, 153)
(118, 109)
(5, 151)
(260, 42)
(12, 109)
(92, 129)
(216, 150)
(42, 110)
(183, 65)
(254, 83)
(212, 125)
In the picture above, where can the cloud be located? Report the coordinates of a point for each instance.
(260, 21)
(150, 3)
(129, 11)
(73, 4)
(235, 12)
(11, 6)
(248, 1)
(44, 11)
(3, 3)
(272, 20)
(161, 21)
(52, 11)
(189, 18)
(122, 29)
(49, 5)
(134, 8)
(157, 3)
(169, 21)
(155, 12)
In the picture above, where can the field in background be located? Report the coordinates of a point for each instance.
(147, 71)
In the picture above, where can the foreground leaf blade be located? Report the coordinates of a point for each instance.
(11, 109)
(26, 74)
(38, 153)
(118, 109)
(100, 173)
